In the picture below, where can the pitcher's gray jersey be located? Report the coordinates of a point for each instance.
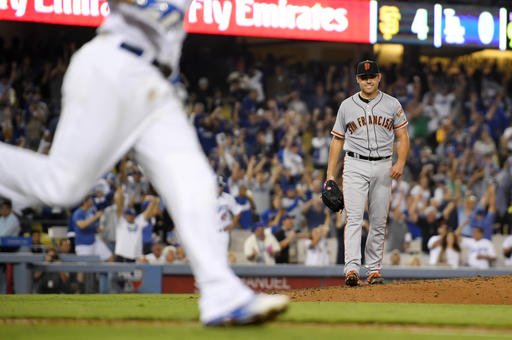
(368, 128)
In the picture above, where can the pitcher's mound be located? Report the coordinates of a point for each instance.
(475, 290)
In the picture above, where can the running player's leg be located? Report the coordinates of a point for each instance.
(175, 164)
(355, 191)
(378, 206)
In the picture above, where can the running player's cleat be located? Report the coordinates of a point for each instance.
(261, 308)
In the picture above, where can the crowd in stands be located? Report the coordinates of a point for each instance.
(265, 127)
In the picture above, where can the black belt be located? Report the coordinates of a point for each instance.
(164, 69)
(358, 156)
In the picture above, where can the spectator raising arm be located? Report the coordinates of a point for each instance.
(119, 201)
(153, 207)
(83, 224)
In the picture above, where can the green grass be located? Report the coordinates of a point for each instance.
(303, 320)
(114, 307)
(267, 332)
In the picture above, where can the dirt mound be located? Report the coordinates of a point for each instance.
(475, 290)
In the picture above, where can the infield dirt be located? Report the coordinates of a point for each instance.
(479, 290)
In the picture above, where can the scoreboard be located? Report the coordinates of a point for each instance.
(443, 25)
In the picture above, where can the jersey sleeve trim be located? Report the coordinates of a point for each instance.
(401, 125)
(337, 134)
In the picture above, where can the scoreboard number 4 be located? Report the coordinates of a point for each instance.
(420, 24)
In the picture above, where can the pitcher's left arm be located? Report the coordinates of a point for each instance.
(402, 149)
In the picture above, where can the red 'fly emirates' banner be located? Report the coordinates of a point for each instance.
(65, 12)
(330, 20)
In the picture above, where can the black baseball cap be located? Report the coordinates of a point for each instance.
(367, 67)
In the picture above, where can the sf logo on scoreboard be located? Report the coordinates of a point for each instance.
(408, 23)
(389, 23)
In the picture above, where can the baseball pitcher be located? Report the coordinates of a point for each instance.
(366, 128)
(117, 96)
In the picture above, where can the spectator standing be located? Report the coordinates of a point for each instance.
(428, 219)
(136, 185)
(319, 98)
(314, 212)
(464, 213)
(287, 238)
(485, 213)
(204, 93)
(102, 196)
(108, 225)
(278, 85)
(292, 160)
(317, 253)
(129, 228)
(261, 247)
(147, 231)
(273, 216)
(9, 222)
(398, 237)
(293, 204)
(503, 197)
(320, 147)
(247, 207)
(296, 103)
(85, 222)
(260, 182)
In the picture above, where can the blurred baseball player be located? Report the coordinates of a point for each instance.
(366, 126)
(228, 212)
(115, 97)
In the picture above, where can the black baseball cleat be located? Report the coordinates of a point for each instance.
(352, 279)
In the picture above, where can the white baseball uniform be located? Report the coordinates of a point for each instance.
(227, 207)
(114, 98)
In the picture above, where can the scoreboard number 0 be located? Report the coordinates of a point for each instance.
(420, 24)
(485, 27)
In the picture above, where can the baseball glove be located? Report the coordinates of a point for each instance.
(332, 196)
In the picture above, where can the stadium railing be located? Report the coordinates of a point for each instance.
(177, 278)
